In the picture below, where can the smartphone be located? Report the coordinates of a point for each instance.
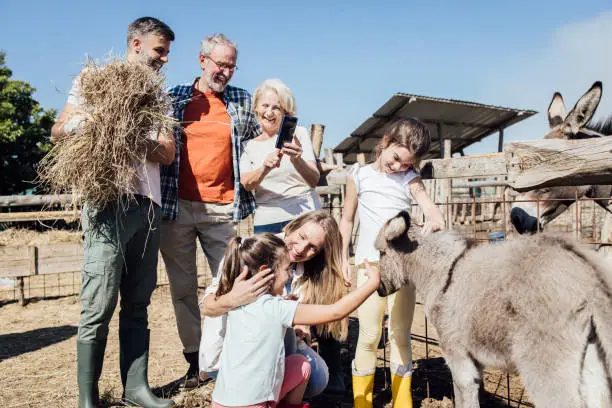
(287, 129)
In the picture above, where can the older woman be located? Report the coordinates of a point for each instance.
(282, 180)
(314, 244)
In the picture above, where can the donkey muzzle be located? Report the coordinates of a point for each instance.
(382, 290)
(523, 221)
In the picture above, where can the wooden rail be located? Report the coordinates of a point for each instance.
(528, 165)
(550, 163)
(40, 216)
(25, 200)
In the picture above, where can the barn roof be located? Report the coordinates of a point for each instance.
(462, 122)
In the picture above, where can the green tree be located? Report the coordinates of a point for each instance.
(25, 131)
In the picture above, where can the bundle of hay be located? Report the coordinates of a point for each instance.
(124, 103)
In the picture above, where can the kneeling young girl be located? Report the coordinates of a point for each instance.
(254, 371)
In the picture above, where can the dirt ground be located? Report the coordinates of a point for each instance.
(38, 361)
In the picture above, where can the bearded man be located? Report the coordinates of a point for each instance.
(121, 245)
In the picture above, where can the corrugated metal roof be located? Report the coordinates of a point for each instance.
(462, 122)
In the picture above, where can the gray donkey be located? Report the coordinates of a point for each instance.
(540, 305)
(573, 125)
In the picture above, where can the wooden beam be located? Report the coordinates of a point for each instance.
(528, 165)
(39, 216)
(24, 200)
(337, 177)
(16, 261)
(484, 165)
(324, 190)
(554, 162)
(59, 258)
(473, 184)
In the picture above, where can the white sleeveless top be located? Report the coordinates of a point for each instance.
(380, 197)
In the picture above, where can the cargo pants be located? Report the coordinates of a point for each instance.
(121, 249)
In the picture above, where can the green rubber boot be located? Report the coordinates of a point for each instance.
(134, 361)
(90, 357)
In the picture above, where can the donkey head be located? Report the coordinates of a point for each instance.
(395, 241)
(524, 216)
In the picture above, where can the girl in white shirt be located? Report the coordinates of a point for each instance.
(378, 192)
(254, 371)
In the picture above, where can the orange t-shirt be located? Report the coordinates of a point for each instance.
(206, 168)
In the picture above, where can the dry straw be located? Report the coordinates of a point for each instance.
(125, 103)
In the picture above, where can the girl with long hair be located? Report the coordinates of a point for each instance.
(378, 192)
(314, 251)
(254, 371)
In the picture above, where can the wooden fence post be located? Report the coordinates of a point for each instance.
(316, 135)
(33, 266)
(361, 159)
(447, 191)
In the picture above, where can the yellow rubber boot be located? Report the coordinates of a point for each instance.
(363, 388)
(401, 391)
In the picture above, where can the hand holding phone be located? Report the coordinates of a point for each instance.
(293, 150)
(286, 131)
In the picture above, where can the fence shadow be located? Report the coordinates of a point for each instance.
(432, 379)
(15, 344)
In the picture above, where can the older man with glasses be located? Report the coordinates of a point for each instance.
(201, 192)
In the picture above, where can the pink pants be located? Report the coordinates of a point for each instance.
(297, 372)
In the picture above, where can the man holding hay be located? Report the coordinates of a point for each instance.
(201, 191)
(127, 126)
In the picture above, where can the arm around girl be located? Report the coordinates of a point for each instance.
(254, 371)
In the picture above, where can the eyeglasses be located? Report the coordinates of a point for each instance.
(222, 66)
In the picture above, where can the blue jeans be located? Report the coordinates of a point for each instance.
(275, 228)
(319, 374)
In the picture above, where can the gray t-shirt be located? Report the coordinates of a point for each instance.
(253, 359)
(147, 181)
(283, 194)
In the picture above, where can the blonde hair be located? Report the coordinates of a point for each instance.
(322, 281)
(287, 100)
(410, 133)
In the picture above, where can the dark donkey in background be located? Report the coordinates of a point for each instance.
(575, 125)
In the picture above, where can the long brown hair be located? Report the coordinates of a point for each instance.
(252, 252)
(322, 282)
(410, 133)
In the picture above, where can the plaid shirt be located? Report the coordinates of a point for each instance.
(244, 127)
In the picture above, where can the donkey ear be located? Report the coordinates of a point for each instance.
(397, 226)
(391, 230)
(583, 111)
(556, 110)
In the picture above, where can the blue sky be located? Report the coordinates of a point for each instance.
(343, 60)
